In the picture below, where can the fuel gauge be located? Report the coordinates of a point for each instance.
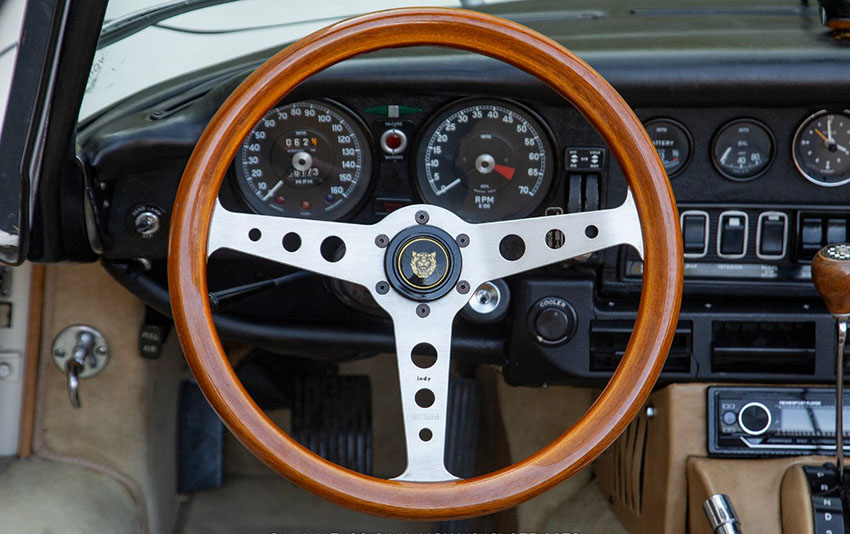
(742, 149)
(673, 143)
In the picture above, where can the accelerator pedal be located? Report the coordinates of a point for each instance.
(464, 418)
(332, 416)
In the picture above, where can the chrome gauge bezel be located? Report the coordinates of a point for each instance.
(688, 138)
(440, 115)
(771, 157)
(365, 181)
(794, 146)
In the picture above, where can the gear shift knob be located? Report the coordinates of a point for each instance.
(831, 275)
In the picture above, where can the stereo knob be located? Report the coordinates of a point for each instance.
(754, 418)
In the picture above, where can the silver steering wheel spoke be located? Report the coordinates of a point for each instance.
(424, 383)
(582, 233)
(299, 243)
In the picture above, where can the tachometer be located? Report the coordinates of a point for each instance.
(305, 159)
(485, 160)
(822, 148)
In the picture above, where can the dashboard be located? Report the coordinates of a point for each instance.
(759, 163)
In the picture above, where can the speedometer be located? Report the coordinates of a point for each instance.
(485, 160)
(305, 159)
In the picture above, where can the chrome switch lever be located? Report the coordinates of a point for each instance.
(721, 515)
(72, 375)
(80, 352)
(831, 276)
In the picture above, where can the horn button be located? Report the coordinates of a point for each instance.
(423, 263)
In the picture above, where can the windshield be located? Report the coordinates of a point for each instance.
(156, 52)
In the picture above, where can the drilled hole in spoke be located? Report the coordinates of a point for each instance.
(591, 232)
(555, 239)
(333, 249)
(254, 234)
(512, 247)
(424, 355)
(291, 242)
(425, 434)
(424, 398)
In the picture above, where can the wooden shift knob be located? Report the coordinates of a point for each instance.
(831, 275)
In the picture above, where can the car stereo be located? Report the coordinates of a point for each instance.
(763, 421)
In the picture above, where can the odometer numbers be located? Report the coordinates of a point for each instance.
(305, 159)
(485, 161)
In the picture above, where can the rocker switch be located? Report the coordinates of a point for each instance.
(733, 235)
(695, 233)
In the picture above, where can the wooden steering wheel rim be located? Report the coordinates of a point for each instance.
(564, 72)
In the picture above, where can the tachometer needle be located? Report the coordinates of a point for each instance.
(507, 172)
(446, 187)
(272, 190)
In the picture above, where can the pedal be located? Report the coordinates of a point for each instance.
(464, 419)
(332, 416)
(200, 442)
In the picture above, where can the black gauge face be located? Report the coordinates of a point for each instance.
(742, 149)
(306, 159)
(673, 143)
(485, 160)
(822, 148)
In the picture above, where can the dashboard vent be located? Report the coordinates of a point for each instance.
(763, 347)
(608, 340)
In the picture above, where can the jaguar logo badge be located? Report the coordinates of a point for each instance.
(423, 263)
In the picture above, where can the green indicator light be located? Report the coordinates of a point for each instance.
(392, 111)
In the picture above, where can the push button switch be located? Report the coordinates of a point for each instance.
(772, 235)
(695, 233)
(732, 238)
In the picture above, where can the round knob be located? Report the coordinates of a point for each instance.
(146, 223)
(831, 275)
(552, 321)
(5, 370)
(552, 325)
(754, 418)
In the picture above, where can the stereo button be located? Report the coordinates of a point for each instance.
(754, 418)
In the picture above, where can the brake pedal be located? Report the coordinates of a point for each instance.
(332, 416)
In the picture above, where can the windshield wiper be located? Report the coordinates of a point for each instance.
(122, 27)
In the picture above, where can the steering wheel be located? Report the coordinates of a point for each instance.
(423, 292)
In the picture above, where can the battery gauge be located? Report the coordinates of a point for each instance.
(673, 143)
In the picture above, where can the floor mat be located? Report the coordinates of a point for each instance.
(52, 497)
(266, 504)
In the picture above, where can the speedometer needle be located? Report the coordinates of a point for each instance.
(272, 190)
(446, 187)
(507, 172)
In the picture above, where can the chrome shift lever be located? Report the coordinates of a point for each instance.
(831, 275)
